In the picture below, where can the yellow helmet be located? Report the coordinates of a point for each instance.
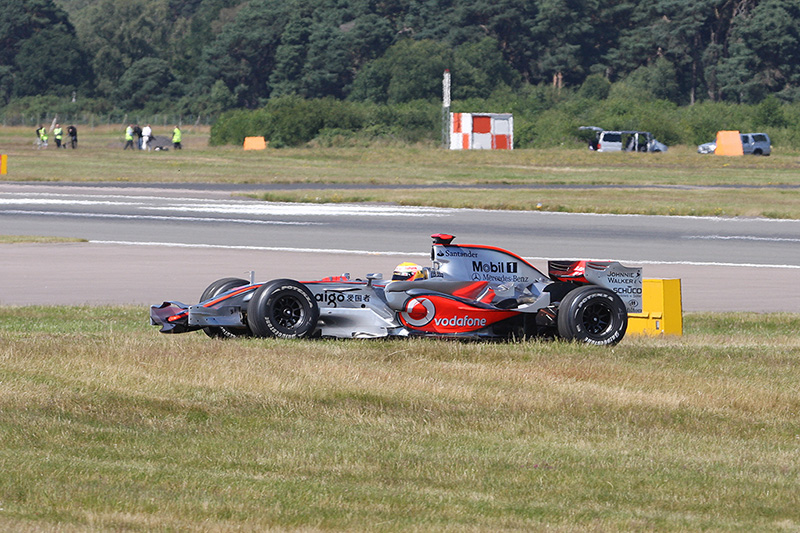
(408, 272)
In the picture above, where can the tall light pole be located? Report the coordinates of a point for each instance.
(446, 109)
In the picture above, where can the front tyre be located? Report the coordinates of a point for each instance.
(222, 286)
(592, 315)
(283, 308)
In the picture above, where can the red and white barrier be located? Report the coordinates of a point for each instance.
(481, 131)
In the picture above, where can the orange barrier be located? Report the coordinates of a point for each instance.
(254, 143)
(3, 164)
(729, 143)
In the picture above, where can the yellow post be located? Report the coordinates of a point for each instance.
(3, 164)
(662, 310)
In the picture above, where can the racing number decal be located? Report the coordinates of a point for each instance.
(418, 312)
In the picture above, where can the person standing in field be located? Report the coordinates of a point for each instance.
(129, 137)
(72, 131)
(58, 133)
(138, 132)
(41, 137)
(176, 138)
(147, 133)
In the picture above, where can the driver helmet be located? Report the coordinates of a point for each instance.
(408, 272)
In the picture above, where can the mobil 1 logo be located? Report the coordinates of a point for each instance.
(499, 271)
(495, 267)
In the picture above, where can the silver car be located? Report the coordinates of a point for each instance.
(752, 143)
(470, 291)
(623, 140)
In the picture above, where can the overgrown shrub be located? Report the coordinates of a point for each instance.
(292, 121)
(596, 87)
(36, 109)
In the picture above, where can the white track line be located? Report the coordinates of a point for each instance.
(240, 207)
(740, 238)
(418, 254)
(161, 217)
(260, 248)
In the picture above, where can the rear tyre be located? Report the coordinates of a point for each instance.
(215, 289)
(592, 315)
(283, 308)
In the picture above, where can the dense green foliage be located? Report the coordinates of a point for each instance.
(205, 56)
(543, 117)
(290, 121)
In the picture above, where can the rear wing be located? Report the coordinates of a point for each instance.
(626, 282)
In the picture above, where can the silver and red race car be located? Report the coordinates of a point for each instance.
(469, 291)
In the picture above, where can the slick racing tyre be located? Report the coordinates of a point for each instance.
(215, 289)
(593, 315)
(283, 308)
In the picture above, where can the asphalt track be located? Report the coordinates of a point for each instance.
(148, 243)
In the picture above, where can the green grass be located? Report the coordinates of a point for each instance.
(697, 182)
(107, 425)
(649, 201)
(19, 239)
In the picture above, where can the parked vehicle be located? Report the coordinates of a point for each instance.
(623, 140)
(470, 291)
(752, 143)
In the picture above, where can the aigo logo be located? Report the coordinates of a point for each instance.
(418, 312)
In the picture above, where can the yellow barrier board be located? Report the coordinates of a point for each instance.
(3, 164)
(662, 310)
(255, 143)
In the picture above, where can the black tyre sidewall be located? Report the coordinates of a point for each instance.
(571, 316)
(215, 289)
(261, 312)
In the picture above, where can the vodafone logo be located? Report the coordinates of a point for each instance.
(418, 312)
(461, 321)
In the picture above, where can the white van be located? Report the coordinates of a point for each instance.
(623, 140)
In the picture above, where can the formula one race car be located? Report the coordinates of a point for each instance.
(470, 291)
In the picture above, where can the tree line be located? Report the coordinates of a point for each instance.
(207, 56)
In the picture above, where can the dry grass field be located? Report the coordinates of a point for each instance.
(107, 425)
(679, 182)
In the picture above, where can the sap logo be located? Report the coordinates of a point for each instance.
(495, 267)
(460, 321)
